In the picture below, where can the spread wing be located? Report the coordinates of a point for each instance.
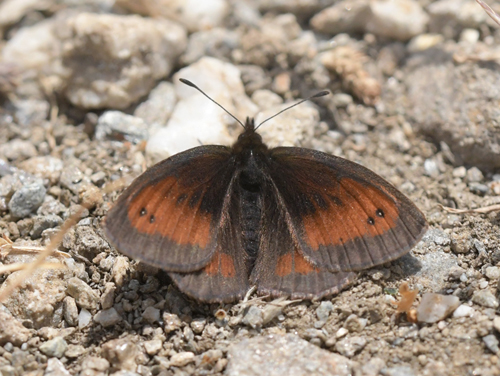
(170, 215)
(341, 216)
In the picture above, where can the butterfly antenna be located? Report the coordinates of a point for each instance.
(317, 95)
(189, 83)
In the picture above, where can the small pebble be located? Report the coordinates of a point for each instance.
(491, 343)
(436, 307)
(355, 324)
(463, 311)
(181, 359)
(474, 175)
(84, 318)
(341, 332)
(84, 296)
(55, 368)
(121, 353)
(171, 322)
(107, 317)
(74, 351)
(153, 347)
(70, 311)
(492, 272)
(485, 298)
(27, 199)
(151, 315)
(496, 323)
(108, 296)
(350, 346)
(198, 325)
(54, 348)
(253, 317)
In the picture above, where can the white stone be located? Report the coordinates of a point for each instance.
(196, 120)
(463, 311)
(181, 359)
(84, 318)
(436, 307)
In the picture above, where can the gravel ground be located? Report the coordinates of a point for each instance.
(89, 94)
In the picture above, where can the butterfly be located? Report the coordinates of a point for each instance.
(288, 220)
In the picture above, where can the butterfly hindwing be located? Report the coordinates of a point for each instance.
(169, 217)
(343, 216)
(280, 268)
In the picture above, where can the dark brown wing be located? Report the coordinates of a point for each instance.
(280, 268)
(225, 277)
(343, 216)
(170, 215)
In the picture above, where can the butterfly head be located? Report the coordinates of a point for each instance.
(249, 139)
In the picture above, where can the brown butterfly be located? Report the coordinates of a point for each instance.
(291, 221)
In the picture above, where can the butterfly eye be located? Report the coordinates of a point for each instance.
(380, 213)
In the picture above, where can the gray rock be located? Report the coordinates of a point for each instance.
(95, 363)
(125, 67)
(108, 317)
(284, 355)
(11, 330)
(324, 309)
(447, 115)
(485, 298)
(436, 307)
(349, 346)
(27, 200)
(151, 315)
(171, 322)
(54, 348)
(253, 317)
(84, 296)
(491, 343)
(72, 178)
(474, 175)
(42, 223)
(108, 296)
(492, 272)
(116, 125)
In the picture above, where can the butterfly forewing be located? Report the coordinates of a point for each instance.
(344, 217)
(170, 215)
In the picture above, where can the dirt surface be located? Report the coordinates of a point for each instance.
(93, 95)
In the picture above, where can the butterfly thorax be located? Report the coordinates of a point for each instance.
(249, 142)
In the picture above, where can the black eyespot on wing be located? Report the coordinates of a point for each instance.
(371, 221)
(380, 213)
(320, 201)
(181, 198)
(143, 212)
(152, 219)
(195, 198)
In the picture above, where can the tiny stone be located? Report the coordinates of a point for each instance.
(253, 317)
(483, 284)
(84, 318)
(459, 172)
(399, 371)
(198, 325)
(485, 298)
(324, 309)
(474, 175)
(492, 272)
(121, 353)
(341, 332)
(436, 307)
(463, 311)
(70, 311)
(151, 315)
(41, 223)
(478, 188)
(350, 346)
(84, 296)
(431, 168)
(153, 347)
(74, 351)
(12, 331)
(491, 343)
(171, 322)
(98, 178)
(95, 363)
(108, 296)
(26, 200)
(54, 348)
(108, 317)
(181, 359)
(496, 323)
(55, 368)
(355, 324)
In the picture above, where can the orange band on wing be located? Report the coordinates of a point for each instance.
(293, 262)
(221, 263)
(168, 210)
(354, 210)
